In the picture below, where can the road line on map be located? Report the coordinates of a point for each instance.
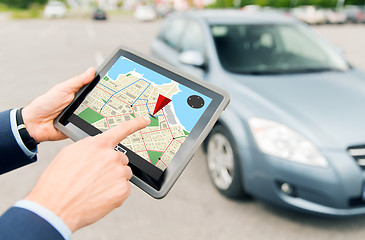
(106, 88)
(141, 151)
(145, 146)
(156, 131)
(167, 148)
(162, 162)
(119, 115)
(142, 104)
(106, 119)
(114, 96)
(178, 141)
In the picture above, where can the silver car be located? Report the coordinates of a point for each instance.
(294, 133)
(55, 9)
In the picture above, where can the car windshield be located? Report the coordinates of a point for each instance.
(274, 49)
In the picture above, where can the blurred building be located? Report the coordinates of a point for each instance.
(178, 5)
(85, 4)
(187, 4)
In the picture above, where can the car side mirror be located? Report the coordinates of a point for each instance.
(193, 58)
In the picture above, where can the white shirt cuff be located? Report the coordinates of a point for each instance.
(47, 215)
(14, 129)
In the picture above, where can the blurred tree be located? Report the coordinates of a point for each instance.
(6, 2)
(222, 4)
(263, 3)
(355, 2)
(22, 3)
(329, 3)
(308, 2)
(282, 3)
(248, 2)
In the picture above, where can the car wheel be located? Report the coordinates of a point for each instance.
(223, 163)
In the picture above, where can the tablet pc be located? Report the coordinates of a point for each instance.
(182, 108)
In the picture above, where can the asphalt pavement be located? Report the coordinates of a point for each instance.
(37, 54)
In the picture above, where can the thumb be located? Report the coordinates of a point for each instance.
(121, 131)
(74, 84)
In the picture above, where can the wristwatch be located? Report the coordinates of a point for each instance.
(28, 141)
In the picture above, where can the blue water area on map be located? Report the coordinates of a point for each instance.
(123, 66)
(187, 115)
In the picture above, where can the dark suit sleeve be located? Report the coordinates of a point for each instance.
(11, 155)
(21, 224)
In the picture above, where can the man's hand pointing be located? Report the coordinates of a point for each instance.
(88, 179)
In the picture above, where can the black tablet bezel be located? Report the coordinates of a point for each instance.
(156, 188)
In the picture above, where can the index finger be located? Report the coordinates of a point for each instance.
(121, 131)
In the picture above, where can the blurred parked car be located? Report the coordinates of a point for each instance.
(55, 9)
(99, 14)
(251, 8)
(294, 133)
(145, 13)
(335, 17)
(163, 9)
(309, 14)
(355, 14)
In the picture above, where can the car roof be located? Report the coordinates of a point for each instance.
(238, 16)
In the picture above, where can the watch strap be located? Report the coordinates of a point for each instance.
(28, 141)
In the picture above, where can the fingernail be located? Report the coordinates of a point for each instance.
(148, 119)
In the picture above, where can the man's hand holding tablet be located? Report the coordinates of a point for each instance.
(87, 179)
(171, 115)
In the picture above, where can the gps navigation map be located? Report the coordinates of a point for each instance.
(130, 90)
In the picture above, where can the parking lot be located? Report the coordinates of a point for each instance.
(37, 54)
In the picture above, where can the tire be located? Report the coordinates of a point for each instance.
(223, 163)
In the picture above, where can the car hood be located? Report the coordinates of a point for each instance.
(327, 107)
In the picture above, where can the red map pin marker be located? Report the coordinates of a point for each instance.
(162, 101)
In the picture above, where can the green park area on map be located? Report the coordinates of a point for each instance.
(154, 122)
(90, 116)
(154, 156)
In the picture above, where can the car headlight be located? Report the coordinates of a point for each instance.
(279, 140)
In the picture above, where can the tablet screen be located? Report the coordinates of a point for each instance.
(129, 90)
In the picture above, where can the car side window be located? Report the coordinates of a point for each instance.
(193, 38)
(172, 31)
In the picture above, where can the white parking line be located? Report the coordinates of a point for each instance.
(90, 31)
(99, 59)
